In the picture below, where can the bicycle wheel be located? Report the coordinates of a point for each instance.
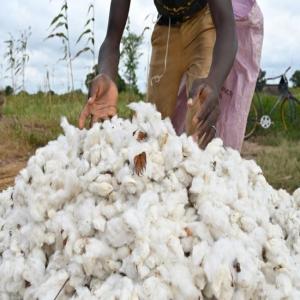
(290, 109)
(251, 121)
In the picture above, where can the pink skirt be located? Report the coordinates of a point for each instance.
(239, 87)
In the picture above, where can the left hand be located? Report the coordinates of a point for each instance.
(203, 108)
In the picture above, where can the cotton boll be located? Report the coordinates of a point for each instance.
(199, 251)
(6, 201)
(77, 275)
(83, 293)
(296, 197)
(247, 224)
(284, 284)
(11, 269)
(129, 268)
(117, 233)
(116, 287)
(50, 288)
(35, 267)
(97, 249)
(99, 221)
(180, 278)
(84, 214)
(4, 296)
(172, 152)
(102, 189)
(195, 224)
(197, 185)
(122, 253)
(130, 184)
(154, 288)
(96, 252)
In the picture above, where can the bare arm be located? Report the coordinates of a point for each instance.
(226, 41)
(103, 93)
(109, 53)
(205, 92)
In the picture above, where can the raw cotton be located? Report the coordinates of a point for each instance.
(129, 210)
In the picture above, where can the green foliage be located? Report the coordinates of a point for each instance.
(11, 59)
(60, 29)
(121, 84)
(24, 56)
(36, 118)
(88, 34)
(130, 55)
(261, 80)
(90, 76)
(8, 90)
(295, 79)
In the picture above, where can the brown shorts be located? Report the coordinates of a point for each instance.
(189, 51)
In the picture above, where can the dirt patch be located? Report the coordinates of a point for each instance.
(13, 154)
(8, 172)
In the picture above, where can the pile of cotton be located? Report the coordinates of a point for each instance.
(129, 210)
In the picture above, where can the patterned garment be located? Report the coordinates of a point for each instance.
(179, 9)
(238, 89)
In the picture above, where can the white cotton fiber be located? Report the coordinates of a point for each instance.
(128, 210)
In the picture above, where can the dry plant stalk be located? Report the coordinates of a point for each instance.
(140, 162)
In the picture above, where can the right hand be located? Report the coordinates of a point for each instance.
(102, 102)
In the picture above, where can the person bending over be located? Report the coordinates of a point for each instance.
(192, 37)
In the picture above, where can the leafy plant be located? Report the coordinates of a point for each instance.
(8, 90)
(295, 79)
(24, 56)
(88, 33)
(11, 59)
(121, 84)
(130, 55)
(60, 29)
(261, 80)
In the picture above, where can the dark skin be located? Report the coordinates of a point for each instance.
(204, 94)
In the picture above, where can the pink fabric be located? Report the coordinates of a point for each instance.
(238, 89)
(242, 8)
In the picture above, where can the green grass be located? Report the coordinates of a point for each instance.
(280, 163)
(277, 150)
(35, 119)
(277, 131)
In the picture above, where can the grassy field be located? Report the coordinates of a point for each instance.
(30, 121)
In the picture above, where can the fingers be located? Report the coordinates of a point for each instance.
(211, 120)
(207, 138)
(86, 111)
(103, 113)
(190, 102)
(196, 90)
(206, 108)
(84, 115)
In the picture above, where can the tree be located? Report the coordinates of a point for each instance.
(295, 79)
(130, 55)
(261, 80)
(11, 59)
(60, 29)
(120, 82)
(88, 33)
(8, 90)
(23, 55)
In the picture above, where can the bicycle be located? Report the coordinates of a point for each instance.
(289, 108)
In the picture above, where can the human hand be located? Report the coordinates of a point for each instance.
(102, 102)
(203, 111)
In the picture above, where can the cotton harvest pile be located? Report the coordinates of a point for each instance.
(128, 210)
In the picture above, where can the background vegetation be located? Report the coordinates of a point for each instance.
(30, 121)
